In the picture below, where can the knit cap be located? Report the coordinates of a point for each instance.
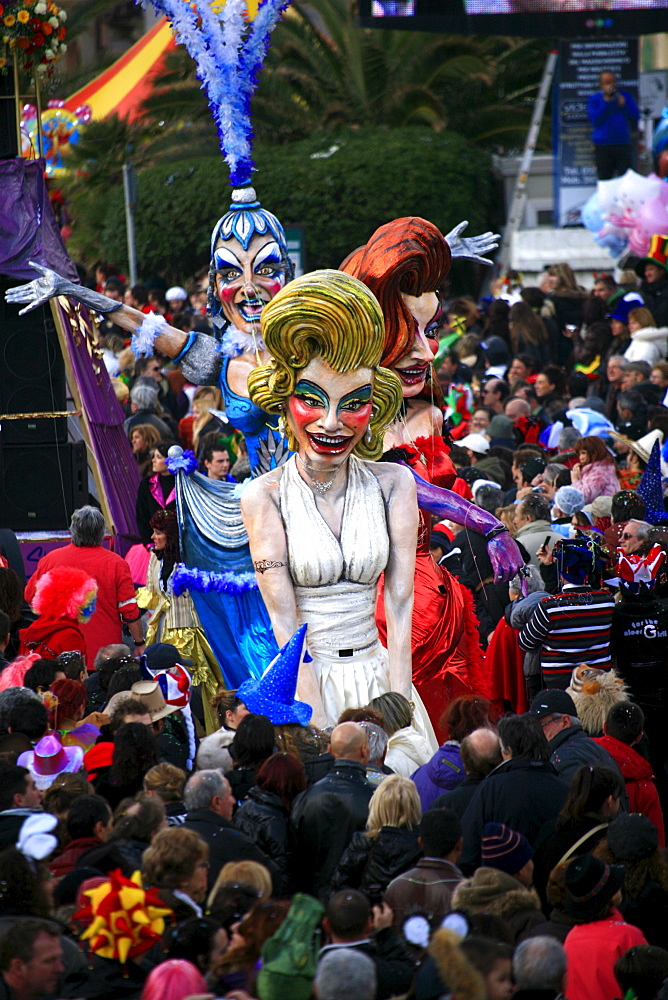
(504, 848)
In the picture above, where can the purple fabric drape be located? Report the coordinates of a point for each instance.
(113, 453)
(29, 231)
(28, 227)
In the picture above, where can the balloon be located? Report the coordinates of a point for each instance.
(83, 113)
(615, 245)
(56, 104)
(638, 242)
(633, 191)
(653, 216)
(590, 214)
(663, 164)
(607, 194)
(660, 141)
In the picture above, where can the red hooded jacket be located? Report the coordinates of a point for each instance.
(640, 787)
(49, 637)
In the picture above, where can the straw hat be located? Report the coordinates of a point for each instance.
(643, 446)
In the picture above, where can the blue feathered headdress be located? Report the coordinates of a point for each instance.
(229, 54)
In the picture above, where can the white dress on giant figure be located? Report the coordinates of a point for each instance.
(335, 588)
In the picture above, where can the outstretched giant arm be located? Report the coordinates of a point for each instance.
(169, 340)
(503, 552)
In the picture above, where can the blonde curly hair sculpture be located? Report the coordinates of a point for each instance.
(334, 316)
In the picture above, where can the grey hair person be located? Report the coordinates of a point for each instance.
(553, 469)
(109, 652)
(145, 397)
(567, 438)
(87, 527)
(201, 788)
(643, 528)
(539, 963)
(345, 973)
(378, 741)
(532, 578)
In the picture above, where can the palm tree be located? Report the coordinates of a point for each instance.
(323, 72)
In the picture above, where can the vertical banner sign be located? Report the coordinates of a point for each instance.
(580, 64)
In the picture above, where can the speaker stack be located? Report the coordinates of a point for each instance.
(43, 477)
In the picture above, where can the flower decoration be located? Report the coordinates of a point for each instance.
(123, 919)
(35, 32)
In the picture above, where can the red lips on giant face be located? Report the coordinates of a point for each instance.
(324, 444)
(414, 375)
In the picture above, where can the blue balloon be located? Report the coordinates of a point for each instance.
(590, 214)
(660, 140)
(614, 244)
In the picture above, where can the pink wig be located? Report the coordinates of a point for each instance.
(14, 674)
(63, 592)
(175, 979)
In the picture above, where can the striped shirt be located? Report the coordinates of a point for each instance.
(570, 628)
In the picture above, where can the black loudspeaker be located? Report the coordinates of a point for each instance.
(41, 485)
(32, 374)
(9, 143)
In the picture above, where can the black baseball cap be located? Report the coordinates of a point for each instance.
(552, 702)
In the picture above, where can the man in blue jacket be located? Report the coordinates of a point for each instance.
(612, 113)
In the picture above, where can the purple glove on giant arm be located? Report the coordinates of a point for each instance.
(502, 549)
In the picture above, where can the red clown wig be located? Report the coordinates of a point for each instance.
(407, 255)
(64, 592)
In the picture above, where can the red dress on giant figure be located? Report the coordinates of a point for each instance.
(447, 658)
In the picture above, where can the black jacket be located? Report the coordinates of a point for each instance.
(241, 781)
(263, 818)
(571, 748)
(649, 912)
(558, 926)
(394, 966)
(225, 843)
(323, 820)
(655, 294)
(521, 793)
(490, 598)
(458, 798)
(638, 640)
(370, 864)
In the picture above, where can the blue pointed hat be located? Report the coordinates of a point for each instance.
(273, 694)
(651, 490)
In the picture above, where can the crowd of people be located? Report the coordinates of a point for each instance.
(163, 836)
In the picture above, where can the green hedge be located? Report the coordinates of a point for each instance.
(375, 175)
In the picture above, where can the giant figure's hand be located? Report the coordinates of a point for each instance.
(39, 291)
(50, 284)
(505, 557)
(471, 247)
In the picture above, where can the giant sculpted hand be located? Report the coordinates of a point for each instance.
(505, 556)
(471, 247)
(49, 285)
